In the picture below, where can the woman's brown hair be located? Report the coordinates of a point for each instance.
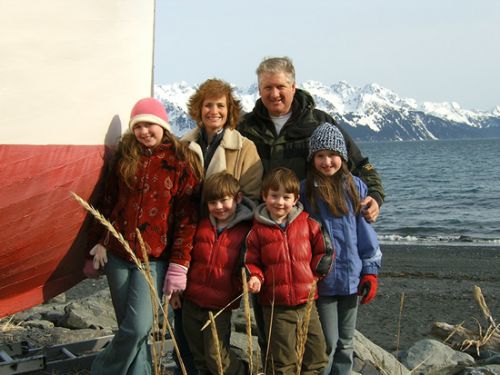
(215, 88)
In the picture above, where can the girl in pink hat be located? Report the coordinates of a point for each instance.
(154, 186)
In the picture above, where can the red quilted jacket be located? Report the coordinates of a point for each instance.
(162, 204)
(214, 274)
(287, 260)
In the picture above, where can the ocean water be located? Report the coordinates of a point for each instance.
(439, 192)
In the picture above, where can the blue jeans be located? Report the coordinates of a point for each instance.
(338, 319)
(129, 353)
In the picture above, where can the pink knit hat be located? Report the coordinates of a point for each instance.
(149, 110)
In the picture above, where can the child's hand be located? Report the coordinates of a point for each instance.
(175, 301)
(175, 279)
(254, 284)
(100, 256)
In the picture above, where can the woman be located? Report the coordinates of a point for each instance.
(217, 112)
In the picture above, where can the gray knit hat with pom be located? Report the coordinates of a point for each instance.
(327, 137)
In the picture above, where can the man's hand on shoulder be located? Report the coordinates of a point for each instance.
(371, 209)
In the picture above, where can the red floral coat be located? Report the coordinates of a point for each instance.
(287, 261)
(162, 204)
(214, 277)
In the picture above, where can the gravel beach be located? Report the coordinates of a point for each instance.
(435, 283)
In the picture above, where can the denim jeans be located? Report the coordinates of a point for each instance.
(129, 353)
(338, 319)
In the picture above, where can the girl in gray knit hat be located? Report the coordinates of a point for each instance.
(332, 195)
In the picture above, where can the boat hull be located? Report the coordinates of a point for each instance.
(45, 230)
(70, 72)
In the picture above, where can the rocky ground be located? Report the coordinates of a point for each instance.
(435, 283)
(418, 286)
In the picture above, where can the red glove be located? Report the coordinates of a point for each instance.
(367, 288)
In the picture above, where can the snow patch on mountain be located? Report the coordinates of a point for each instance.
(372, 111)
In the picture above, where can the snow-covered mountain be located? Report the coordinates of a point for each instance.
(369, 113)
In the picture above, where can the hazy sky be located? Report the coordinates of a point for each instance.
(429, 50)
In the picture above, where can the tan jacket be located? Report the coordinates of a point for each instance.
(238, 156)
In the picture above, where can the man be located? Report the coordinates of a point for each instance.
(284, 118)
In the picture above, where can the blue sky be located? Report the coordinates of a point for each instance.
(429, 50)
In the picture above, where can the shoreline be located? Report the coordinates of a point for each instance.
(422, 284)
(418, 285)
(493, 244)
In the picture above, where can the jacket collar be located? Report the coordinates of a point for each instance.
(262, 214)
(231, 140)
(244, 211)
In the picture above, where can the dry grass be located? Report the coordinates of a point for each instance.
(398, 331)
(208, 322)
(6, 325)
(146, 272)
(248, 319)
(215, 336)
(483, 336)
(268, 344)
(303, 328)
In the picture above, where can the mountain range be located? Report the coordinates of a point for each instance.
(369, 113)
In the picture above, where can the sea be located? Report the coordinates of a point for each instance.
(438, 192)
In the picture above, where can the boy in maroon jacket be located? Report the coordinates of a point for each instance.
(286, 253)
(214, 279)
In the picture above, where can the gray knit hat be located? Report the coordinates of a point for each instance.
(327, 137)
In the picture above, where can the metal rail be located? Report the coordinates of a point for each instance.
(17, 359)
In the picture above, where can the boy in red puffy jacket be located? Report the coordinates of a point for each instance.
(286, 253)
(214, 279)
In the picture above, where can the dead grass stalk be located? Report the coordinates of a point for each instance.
(303, 327)
(146, 272)
(248, 319)
(216, 342)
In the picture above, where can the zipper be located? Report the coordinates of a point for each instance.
(214, 249)
(289, 259)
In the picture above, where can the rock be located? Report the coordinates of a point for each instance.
(89, 313)
(42, 324)
(433, 357)
(31, 314)
(239, 343)
(484, 370)
(59, 299)
(365, 367)
(54, 316)
(62, 335)
(368, 352)
(239, 322)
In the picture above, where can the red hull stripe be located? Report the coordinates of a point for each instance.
(42, 229)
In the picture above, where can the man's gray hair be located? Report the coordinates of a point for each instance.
(276, 65)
